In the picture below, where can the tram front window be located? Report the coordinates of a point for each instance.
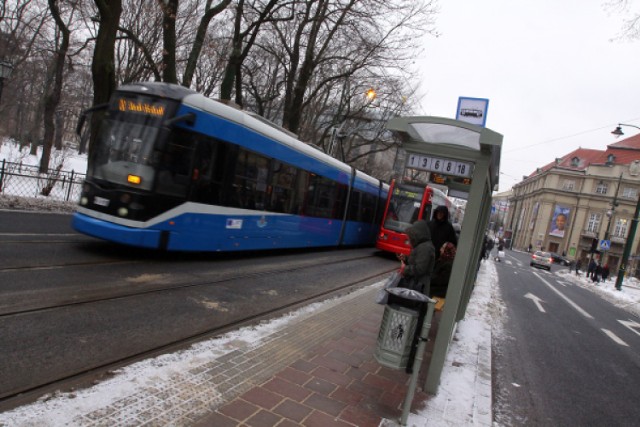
(125, 150)
(403, 212)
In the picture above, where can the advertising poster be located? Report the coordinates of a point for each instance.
(559, 221)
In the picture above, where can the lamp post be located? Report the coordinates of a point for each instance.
(627, 247)
(634, 224)
(618, 130)
(5, 72)
(610, 213)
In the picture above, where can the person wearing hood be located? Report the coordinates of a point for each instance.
(442, 271)
(441, 229)
(418, 266)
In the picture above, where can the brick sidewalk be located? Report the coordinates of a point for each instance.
(336, 383)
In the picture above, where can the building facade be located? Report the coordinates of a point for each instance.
(585, 195)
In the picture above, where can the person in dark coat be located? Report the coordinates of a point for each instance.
(419, 265)
(442, 271)
(442, 230)
(591, 269)
(605, 272)
(578, 267)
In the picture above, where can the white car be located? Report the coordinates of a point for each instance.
(541, 259)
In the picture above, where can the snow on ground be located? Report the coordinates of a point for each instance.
(11, 152)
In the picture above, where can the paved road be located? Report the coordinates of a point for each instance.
(107, 302)
(565, 356)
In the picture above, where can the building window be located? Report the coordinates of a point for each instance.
(569, 185)
(621, 228)
(629, 193)
(593, 224)
(602, 187)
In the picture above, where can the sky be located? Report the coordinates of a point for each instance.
(556, 73)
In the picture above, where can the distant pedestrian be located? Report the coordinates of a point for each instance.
(591, 269)
(530, 248)
(578, 267)
(596, 273)
(605, 272)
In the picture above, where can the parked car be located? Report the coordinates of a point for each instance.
(541, 259)
(559, 259)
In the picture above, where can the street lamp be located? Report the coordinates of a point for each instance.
(634, 224)
(618, 130)
(5, 72)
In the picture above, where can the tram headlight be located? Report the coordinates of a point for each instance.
(123, 211)
(134, 179)
(84, 201)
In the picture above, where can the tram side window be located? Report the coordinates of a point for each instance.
(325, 198)
(205, 187)
(368, 208)
(174, 165)
(362, 207)
(283, 183)
(250, 184)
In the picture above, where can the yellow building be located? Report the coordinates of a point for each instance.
(585, 195)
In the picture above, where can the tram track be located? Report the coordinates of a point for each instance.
(91, 374)
(123, 293)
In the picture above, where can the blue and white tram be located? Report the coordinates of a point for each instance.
(174, 170)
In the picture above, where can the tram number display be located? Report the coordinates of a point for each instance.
(440, 165)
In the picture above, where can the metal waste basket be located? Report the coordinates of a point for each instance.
(399, 327)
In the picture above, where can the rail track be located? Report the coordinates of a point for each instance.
(86, 372)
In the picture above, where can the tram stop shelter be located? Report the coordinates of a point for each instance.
(467, 157)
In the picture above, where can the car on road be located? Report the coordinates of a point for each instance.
(541, 259)
(559, 259)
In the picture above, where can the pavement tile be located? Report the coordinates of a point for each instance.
(365, 389)
(287, 389)
(294, 411)
(262, 397)
(295, 376)
(349, 397)
(303, 365)
(356, 373)
(332, 364)
(380, 382)
(360, 417)
(263, 419)
(348, 358)
(321, 386)
(320, 419)
(216, 419)
(239, 409)
(332, 376)
(325, 404)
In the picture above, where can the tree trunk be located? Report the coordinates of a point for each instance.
(169, 11)
(52, 99)
(103, 64)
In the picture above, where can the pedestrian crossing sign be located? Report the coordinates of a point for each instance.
(605, 245)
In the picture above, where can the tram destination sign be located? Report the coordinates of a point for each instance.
(440, 165)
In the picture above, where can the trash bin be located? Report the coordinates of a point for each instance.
(400, 324)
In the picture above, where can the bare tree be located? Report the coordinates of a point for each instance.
(254, 16)
(52, 97)
(103, 65)
(334, 40)
(631, 24)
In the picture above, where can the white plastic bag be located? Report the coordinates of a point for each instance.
(392, 281)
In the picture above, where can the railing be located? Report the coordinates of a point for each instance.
(17, 179)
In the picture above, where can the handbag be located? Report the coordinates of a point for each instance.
(392, 281)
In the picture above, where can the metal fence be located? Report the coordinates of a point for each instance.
(17, 179)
